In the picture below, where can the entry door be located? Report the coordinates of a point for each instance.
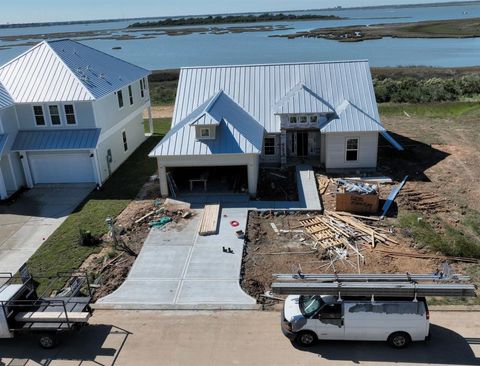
(302, 144)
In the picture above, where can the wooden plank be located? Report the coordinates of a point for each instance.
(209, 223)
(50, 317)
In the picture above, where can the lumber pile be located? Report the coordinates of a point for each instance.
(323, 183)
(209, 223)
(52, 317)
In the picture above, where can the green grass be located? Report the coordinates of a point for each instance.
(452, 242)
(160, 126)
(431, 110)
(61, 251)
(163, 92)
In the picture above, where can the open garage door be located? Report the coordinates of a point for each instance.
(61, 167)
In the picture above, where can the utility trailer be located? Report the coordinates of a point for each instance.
(23, 311)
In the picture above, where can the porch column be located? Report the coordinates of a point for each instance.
(252, 171)
(162, 176)
(283, 147)
(3, 189)
(150, 120)
(26, 169)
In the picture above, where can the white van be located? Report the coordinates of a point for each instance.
(307, 319)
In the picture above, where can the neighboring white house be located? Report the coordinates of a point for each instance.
(246, 115)
(68, 114)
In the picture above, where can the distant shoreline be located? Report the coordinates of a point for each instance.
(451, 28)
(99, 21)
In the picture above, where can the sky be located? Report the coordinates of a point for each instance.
(25, 11)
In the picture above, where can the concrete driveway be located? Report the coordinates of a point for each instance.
(27, 223)
(138, 338)
(178, 269)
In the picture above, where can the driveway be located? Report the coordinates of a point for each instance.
(178, 269)
(27, 223)
(126, 338)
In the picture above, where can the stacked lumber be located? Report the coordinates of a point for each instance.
(52, 317)
(322, 232)
(323, 183)
(209, 223)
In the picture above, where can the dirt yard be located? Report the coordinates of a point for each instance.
(442, 190)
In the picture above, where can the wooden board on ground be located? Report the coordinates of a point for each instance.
(357, 203)
(52, 317)
(209, 224)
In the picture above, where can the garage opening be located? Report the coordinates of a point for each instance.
(218, 179)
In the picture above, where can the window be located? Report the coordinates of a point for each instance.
(314, 119)
(293, 119)
(120, 99)
(70, 114)
(352, 149)
(54, 115)
(39, 117)
(130, 94)
(303, 119)
(269, 146)
(142, 87)
(124, 139)
(205, 132)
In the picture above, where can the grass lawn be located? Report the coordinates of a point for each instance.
(431, 110)
(61, 251)
(160, 126)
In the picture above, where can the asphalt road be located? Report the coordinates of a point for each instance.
(137, 338)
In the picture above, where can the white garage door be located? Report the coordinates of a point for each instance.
(61, 167)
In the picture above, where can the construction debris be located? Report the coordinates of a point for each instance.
(391, 197)
(357, 187)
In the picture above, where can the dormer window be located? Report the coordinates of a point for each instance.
(303, 119)
(293, 119)
(205, 132)
(314, 118)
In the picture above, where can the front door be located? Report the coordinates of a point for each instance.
(302, 144)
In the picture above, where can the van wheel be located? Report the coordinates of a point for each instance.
(306, 339)
(47, 340)
(399, 340)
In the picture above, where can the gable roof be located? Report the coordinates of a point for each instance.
(302, 99)
(350, 118)
(5, 98)
(237, 132)
(65, 70)
(258, 89)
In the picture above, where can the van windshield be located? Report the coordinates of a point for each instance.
(309, 305)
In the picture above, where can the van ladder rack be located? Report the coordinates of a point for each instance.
(374, 277)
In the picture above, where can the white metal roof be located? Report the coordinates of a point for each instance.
(236, 131)
(258, 89)
(5, 98)
(61, 139)
(350, 118)
(302, 100)
(65, 70)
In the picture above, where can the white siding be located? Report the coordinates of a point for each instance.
(135, 137)
(335, 150)
(107, 111)
(83, 115)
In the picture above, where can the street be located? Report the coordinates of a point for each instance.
(137, 338)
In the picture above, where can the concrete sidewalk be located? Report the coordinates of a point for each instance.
(178, 269)
(27, 223)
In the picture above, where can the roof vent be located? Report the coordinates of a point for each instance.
(102, 75)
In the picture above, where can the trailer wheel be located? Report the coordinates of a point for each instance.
(306, 339)
(48, 340)
(399, 340)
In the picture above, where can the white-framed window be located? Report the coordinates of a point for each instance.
(205, 132)
(70, 114)
(269, 146)
(39, 116)
(303, 119)
(293, 119)
(313, 118)
(54, 115)
(142, 87)
(120, 99)
(124, 139)
(130, 94)
(351, 153)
